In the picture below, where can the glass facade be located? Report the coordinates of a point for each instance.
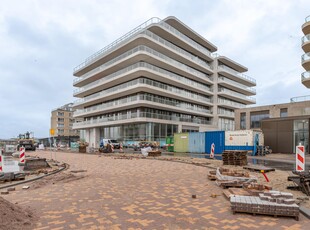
(256, 117)
(131, 133)
(301, 134)
(242, 120)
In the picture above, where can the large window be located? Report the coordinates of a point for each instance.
(256, 118)
(242, 120)
(301, 134)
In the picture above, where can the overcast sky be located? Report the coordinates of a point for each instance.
(41, 41)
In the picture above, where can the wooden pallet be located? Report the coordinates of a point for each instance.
(262, 213)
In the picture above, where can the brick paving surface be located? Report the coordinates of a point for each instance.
(137, 194)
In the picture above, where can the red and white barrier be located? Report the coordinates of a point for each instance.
(112, 148)
(121, 148)
(1, 160)
(300, 158)
(212, 150)
(22, 155)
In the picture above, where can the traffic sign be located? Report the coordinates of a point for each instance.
(52, 132)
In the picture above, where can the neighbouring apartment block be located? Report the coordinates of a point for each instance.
(305, 58)
(284, 125)
(159, 79)
(62, 122)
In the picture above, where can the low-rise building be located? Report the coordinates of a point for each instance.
(284, 125)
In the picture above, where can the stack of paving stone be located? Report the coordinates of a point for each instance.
(268, 203)
(235, 158)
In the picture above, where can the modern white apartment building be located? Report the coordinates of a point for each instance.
(159, 79)
(305, 59)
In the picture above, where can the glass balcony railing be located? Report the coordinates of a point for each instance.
(305, 39)
(135, 31)
(307, 19)
(237, 84)
(144, 82)
(224, 101)
(226, 113)
(150, 67)
(305, 76)
(140, 99)
(102, 121)
(305, 57)
(236, 73)
(176, 48)
(150, 51)
(238, 95)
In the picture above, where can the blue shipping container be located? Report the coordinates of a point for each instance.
(216, 137)
(196, 142)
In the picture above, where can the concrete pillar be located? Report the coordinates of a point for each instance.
(94, 137)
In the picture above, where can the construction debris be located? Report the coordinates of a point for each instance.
(272, 203)
(302, 181)
(227, 178)
(26, 187)
(235, 158)
(259, 168)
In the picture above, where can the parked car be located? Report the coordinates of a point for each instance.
(116, 144)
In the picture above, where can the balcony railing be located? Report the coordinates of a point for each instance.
(235, 94)
(307, 19)
(135, 31)
(226, 113)
(236, 73)
(140, 99)
(305, 76)
(305, 57)
(176, 48)
(114, 44)
(148, 50)
(102, 121)
(230, 103)
(237, 84)
(171, 75)
(144, 82)
(305, 39)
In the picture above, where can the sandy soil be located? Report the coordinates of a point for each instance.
(14, 217)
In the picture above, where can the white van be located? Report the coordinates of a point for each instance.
(104, 142)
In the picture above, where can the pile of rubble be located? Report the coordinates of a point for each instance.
(235, 158)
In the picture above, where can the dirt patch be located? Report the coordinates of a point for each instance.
(62, 177)
(14, 217)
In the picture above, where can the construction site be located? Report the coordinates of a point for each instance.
(124, 189)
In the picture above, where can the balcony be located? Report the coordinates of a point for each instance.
(306, 26)
(143, 101)
(143, 85)
(165, 61)
(236, 76)
(305, 79)
(305, 43)
(236, 96)
(117, 43)
(305, 61)
(226, 103)
(236, 86)
(140, 69)
(137, 117)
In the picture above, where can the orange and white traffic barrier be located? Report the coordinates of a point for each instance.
(112, 148)
(22, 155)
(300, 158)
(212, 150)
(121, 148)
(1, 160)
